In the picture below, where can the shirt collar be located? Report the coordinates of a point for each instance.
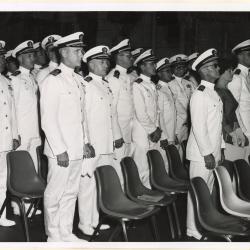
(67, 70)
(162, 83)
(207, 84)
(145, 78)
(177, 78)
(53, 64)
(121, 69)
(37, 66)
(96, 77)
(243, 68)
(24, 70)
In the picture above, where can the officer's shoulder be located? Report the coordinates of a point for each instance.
(201, 88)
(55, 72)
(88, 79)
(138, 80)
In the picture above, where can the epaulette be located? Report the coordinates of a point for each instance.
(116, 74)
(88, 78)
(138, 80)
(237, 72)
(201, 87)
(16, 73)
(44, 66)
(55, 72)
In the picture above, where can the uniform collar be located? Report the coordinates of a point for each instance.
(177, 78)
(121, 69)
(243, 68)
(207, 84)
(24, 70)
(162, 83)
(67, 70)
(96, 77)
(145, 78)
(53, 64)
(37, 66)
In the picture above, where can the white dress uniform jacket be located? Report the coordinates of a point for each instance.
(206, 117)
(8, 123)
(44, 71)
(240, 88)
(182, 91)
(62, 114)
(167, 112)
(121, 87)
(25, 94)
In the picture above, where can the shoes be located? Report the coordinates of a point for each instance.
(72, 238)
(51, 239)
(104, 227)
(87, 229)
(7, 223)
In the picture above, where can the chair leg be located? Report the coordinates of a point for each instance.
(114, 233)
(3, 207)
(155, 229)
(227, 237)
(29, 209)
(124, 230)
(35, 207)
(170, 220)
(177, 220)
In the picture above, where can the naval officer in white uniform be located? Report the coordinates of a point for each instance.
(62, 103)
(103, 130)
(205, 143)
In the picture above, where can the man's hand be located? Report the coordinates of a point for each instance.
(15, 144)
(63, 160)
(163, 143)
(156, 135)
(88, 151)
(209, 161)
(118, 143)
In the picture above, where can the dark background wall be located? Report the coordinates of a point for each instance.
(167, 33)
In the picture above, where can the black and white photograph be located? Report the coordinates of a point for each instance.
(124, 125)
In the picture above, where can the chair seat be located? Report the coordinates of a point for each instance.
(131, 211)
(171, 185)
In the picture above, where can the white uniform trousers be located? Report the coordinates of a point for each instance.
(60, 198)
(140, 158)
(197, 169)
(3, 180)
(31, 146)
(87, 196)
(127, 149)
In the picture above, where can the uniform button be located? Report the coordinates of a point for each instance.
(110, 105)
(6, 115)
(2, 91)
(80, 98)
(81, 110)
(4, 103)
(6, 128)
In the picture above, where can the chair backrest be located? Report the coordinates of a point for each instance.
(42, 163)
(229, 166)
(109, 190)
(201, 198)
(176, 168)
(133, 185)
(158, 173)
(184, 147)
(242, 170)
(21, 172)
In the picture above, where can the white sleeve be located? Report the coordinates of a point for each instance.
(140, 110)
(199, 113)
(163, 124)
(15, 81)
(49, 102)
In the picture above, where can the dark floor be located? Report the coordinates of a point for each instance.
(139, 232)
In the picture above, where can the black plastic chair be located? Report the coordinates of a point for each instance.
(242, 170)
(42, 163)
(24, 184)
(176, 167)
(160, 180)
(209, 221)
(184, 147)
(137, 192)
(115, 205)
